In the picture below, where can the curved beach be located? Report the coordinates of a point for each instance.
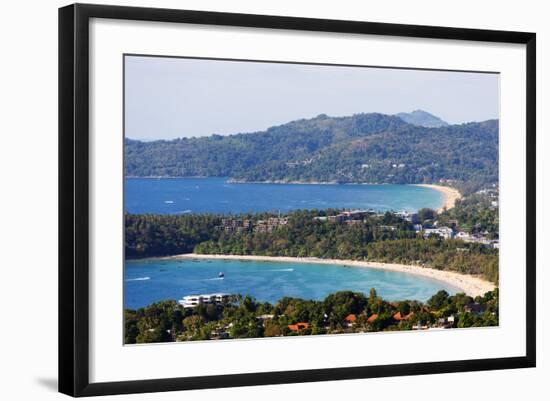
(450, 195)
(470, 285)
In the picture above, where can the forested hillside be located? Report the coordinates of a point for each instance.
(373, 148)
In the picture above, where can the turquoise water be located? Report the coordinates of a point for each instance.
(151, 280)
(216, 195)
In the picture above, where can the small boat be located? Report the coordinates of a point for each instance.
(221, 275)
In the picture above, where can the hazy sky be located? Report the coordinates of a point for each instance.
(171, 97)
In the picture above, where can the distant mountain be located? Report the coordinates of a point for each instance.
(363, 148)
(422, 118)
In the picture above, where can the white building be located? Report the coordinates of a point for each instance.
(443, 232)
(191, 301)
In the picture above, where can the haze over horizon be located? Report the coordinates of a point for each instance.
(168, 98)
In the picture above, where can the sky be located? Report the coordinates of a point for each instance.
(168, 98)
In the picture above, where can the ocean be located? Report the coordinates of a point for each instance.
(151, 280)
(216, 195)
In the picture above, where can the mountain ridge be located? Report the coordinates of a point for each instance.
(423, 119)
(366, 147)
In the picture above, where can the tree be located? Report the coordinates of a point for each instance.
(439, 300)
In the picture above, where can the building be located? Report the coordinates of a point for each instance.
(350, 320)
(192, 301)
(443, 232)
(411, 217)
(236, 226)
(298, 327)
(267, 226)
(399, 316)
(372, 318)
(420, 326)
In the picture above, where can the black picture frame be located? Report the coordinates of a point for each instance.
(74, 198)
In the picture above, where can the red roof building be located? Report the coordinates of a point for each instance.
(372, 318)
(298, 326)
(351, 318)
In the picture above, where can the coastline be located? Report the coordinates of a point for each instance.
(450, 195)
(470, 285)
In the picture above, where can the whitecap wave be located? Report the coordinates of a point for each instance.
(138, 279)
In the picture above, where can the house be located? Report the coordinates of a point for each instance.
(298, 327)
(350, 319)
(372, 318)
(399, 317)
(411, 217)
(445, 322)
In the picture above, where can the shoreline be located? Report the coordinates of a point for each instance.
(470, 285)
(450, 195)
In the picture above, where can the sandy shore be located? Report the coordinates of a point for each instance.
(470, 285)
(450, 195)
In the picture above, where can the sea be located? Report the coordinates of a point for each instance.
(219, 195)
(151, 280)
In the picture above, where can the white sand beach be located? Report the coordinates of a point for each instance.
(450, 195)
(470, 285)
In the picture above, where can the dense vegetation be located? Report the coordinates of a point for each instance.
(473, 214)
(373, 148)
(245, 317)
(384, 238)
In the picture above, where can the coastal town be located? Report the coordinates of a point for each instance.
(223, 316)
(424, 228)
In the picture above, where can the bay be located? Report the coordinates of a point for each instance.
(217, 195)
(153, 280)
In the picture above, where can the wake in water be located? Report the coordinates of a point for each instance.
(138, 279)
(280, 270)
(273, 270)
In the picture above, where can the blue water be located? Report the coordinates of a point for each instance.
(151, 280)
(216, 195)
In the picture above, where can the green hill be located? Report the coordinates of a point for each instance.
(373, 148)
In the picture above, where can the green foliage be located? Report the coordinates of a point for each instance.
(160, 235)
(370, 239)
(475, 214)
(167, 321)
(454, 255)
(372, 148)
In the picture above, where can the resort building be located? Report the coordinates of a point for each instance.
(191, 301)
(443, 232)
(267, 226)
(236, 226)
